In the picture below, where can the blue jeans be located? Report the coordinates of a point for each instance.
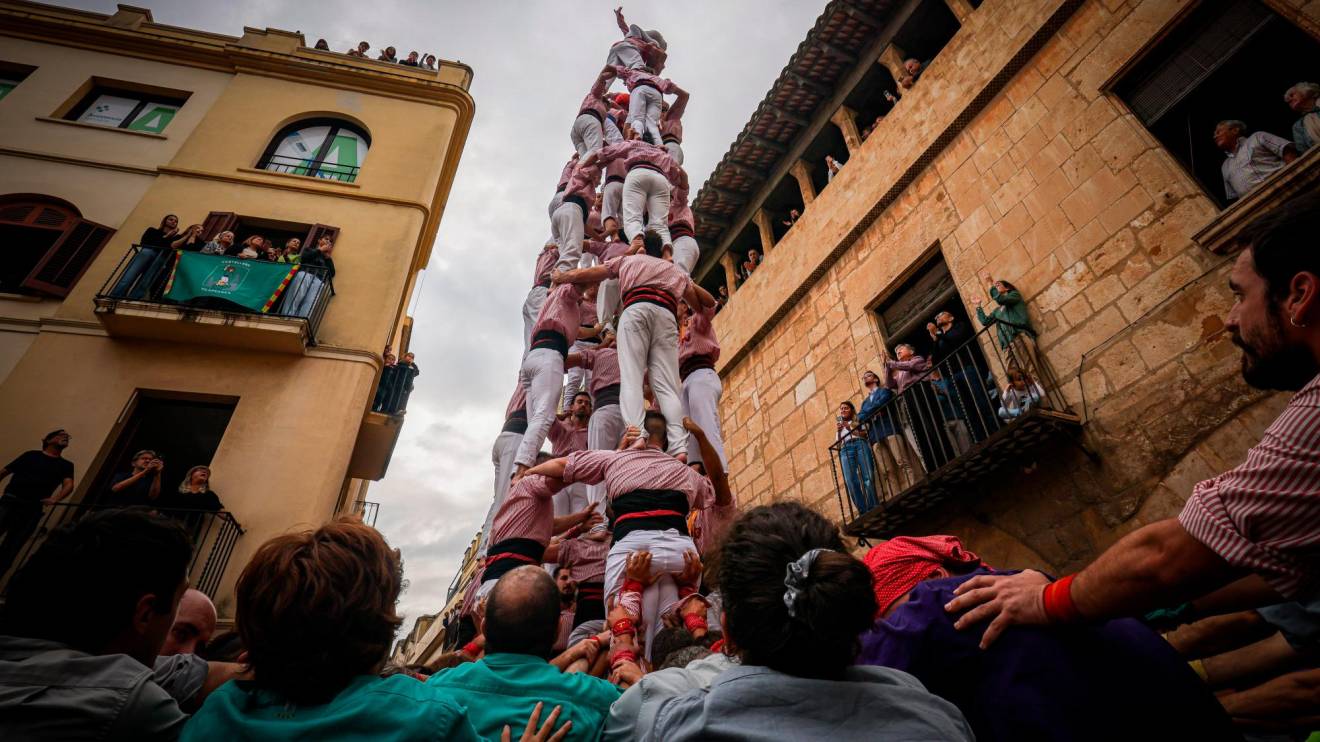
(142, 270)
(302, 295)
(858, 473)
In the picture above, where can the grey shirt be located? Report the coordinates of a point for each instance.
(1256, 158)
(757, 703)
(181, 675)
(636, 709)
(51, 692)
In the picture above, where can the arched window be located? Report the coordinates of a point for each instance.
(321, 148)
(47, 243)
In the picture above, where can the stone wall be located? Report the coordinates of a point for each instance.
(1057, 187)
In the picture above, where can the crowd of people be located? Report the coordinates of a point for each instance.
(623, 595)
(1252, 157)
(388, 54)
(146, 274)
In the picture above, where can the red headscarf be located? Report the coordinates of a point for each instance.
(900, 563)
(621, 100)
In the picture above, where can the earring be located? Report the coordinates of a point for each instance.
(1295, 323)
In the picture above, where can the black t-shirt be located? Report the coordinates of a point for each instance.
(36, 475)
(207, 500)
(137, 493)
(155, 237)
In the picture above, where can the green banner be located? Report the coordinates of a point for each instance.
(255, 284)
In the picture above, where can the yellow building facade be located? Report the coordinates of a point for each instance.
(279, 406)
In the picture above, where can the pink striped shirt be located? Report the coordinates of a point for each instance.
(671, 122)
(595, 100)
(604, 366)
(709, 525)
(616, 169)
(906, 372)
(585, 558)
(587, 308)
(700, 338)
(566, 438)
(599, 248)
(632, 78)
(582, 183)
(566, 172)
(545, 262)
(528, 511)
(560, 312)
(517, 402)
(636, 271)
(679, 210)
(614, 249)
(651, 52)
(1264, 515)
(635, 152)
(639, 469)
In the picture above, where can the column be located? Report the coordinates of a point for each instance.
(846, 119)
(892, 58)
(960, 9)
(803, 175)
(763, 225)
(730, 272)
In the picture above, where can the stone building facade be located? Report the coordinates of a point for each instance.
(1020, 152)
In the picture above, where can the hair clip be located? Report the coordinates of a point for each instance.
(795, 579)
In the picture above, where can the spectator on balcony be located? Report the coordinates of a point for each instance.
(1104, 681)
(1021, 394)
(1304, 99)
(955, 422)
(722, 298)
(150, 260)
(75, 662)
(793, 216)
(906, 367)
(360, 51)
(796, 637)
(1249, 158)
(252, 248)
(429, 62)
(917, 405)
(411, 61)
(913, 67)
(323, 45)
(964, 368)
(316, 611)
(40, 477)
(855, 458)
(1010, 317)
(408, 372)
(385, 387)
(832, 167)
(190, 239)
(307, 284)
(195, 492)
(292, 253)
(750, 265)
(141, 485)
(220, 244)
(271, 253)
(387, 55)
(898, 463)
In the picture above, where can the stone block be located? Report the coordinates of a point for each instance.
(1069, 284)
(1076, 310)
(1067, 352)
(805, 388)
(1172, 233)
(1010, 194)
(967, 189)
(1122, 141)
(955, 154)
(1158, 286)
(1104, 290)
(1097, 194)
(1050, 230)
(1160, 342)
(1027, 116)
(1123, 211)
(1086, 125)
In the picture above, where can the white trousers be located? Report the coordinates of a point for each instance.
(531, 309)
(667, 548)
(611, 202)
(686, 253)
(644, 111)
(607, 303)
(675, 151)
(611, 131)
(576, 378)
(502, 455)
(587, 134)
(567, 224)
(542, 375)
(625, 55)
(604, 431)
(701, 402)
(645, 191)
(648, 342)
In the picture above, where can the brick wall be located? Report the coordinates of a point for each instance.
(1055, 186)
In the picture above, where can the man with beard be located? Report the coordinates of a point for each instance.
(1257, 525)
(567, 599)
(36, 475)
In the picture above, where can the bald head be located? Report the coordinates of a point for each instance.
(522, 613)
(194, 624)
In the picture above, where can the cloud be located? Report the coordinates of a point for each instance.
(533, 61)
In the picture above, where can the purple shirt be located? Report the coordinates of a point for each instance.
(639, 469)
(1111, 681)
(636, 271)
(560, 312)
(907, 372)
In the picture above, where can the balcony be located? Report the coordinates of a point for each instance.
(367, 510)
(216, 300)
(946, 433)
(213, 536)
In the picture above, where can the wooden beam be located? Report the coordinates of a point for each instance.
(789, 116)
(764, 225)
(808, 85)
(745, 170)
(961, 10)
(730, 272)
(861, 15)
(846, 119)
(767, 143)
(839, 54)
(802, 173)
(727, 195)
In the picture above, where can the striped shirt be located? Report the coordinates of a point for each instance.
(565, 438)
(634, 77)
(679, 210)
(584, 558)
(671, 123)
(528, 511)
(595, 100)
(639, 469)
(545, 262)
(1255, 158)
(708, 526)
(636, 271)
(517, 402)
(1264, 515)
(635, 152)
(604, 367)
(567, 172)
(560, 312)
(699, 340)
(582, 183)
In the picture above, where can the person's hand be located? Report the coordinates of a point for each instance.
(157, 464)
(589, 516)
(639, 567)
(626, 674)
(930, 327)
(691, 426)
(587, 649)
(556, 277)
(987, 279)
(691, 574)
(1004, 600)
(976, 301)
(547, 732)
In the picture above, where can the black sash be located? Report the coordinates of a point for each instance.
(552, 340)
(651, 295)
(649, 510)
(510, 554)
(606, 395)
(590, 603)
(694, 363)
(516, 423)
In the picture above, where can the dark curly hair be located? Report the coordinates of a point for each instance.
(317, 608)
(837, 603)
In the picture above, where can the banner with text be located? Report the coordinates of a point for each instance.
(254, 284)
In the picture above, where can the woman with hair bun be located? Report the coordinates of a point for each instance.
(795, 602)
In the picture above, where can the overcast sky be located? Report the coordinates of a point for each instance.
(532, 63)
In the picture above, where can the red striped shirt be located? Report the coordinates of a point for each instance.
(1265, 514)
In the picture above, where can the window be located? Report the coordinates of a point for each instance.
(1224, 60)
(47, 243)
(11, 75)
(278, 232)
(320, 148)
(123, 107)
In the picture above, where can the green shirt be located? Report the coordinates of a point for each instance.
(1011, 316)
(504, 688)
(394, 709)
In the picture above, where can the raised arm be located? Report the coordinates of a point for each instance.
(679, 105)
(581, 276)
(554, 468)
(618, 18)
(697, 297)
(710, 458)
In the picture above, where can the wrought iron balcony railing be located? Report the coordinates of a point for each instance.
(302, 166)
(367, 510)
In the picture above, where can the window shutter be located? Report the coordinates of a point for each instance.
(217, 222)
(317, 232)
(66, 260)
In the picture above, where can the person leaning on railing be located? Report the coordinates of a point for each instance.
(898, 462)
(855, 458)
(1010, 317)
(36, 476)
(306, 286)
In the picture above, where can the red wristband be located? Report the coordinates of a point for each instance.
(694, 621)
(717, 647)
(623, 655)
(1059, 606)
(633, 586)
(686, 590)
(623, 626)
(471, 649)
